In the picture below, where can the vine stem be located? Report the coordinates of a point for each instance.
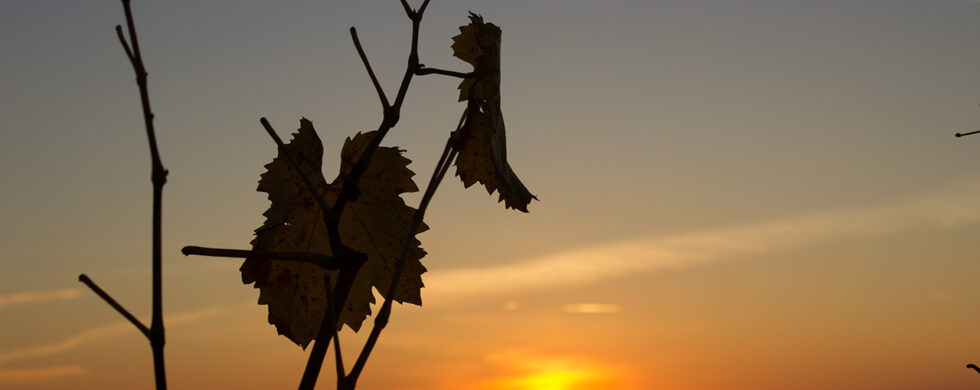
(354, 260)
(446, 161)
(158, 175)
(350, 192)
(347, 261)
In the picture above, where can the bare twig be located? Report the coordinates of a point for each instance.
(408, 8)
(115, 305)
(324, 261)
(413, 56)
(445, 162)
(367, 65)
(125, 45)
(973, 367)
(966, 134)
(390, 118)
(423, 70)
(158, 175)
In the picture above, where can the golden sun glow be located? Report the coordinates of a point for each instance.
(548, 373)
(552, 380)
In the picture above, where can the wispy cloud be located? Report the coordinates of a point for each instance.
(26, 375)
(950, 207)
(99, 333)
(591, 308)
(28, 297)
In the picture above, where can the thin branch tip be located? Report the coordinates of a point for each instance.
(967, 133)
(367, 66)
(115, 305)
(321, 260)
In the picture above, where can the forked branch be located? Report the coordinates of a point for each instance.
(350, 191)
(158, 175)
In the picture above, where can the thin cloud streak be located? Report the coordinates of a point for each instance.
(99, 333)
(591, 308)
(953, 206)
(29, 297)
(26, 375)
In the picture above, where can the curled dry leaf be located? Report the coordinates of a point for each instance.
(377, 225)
(481, 141)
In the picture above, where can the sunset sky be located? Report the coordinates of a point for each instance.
(757, 194)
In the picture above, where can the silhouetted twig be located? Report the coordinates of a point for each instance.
(327, 262)
(974, 367)
(446, 161)
(966, 134)
(367, 65)
(158, 175)
(115, 305)
(423, 70)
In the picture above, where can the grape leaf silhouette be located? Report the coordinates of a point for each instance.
(376, 224)
(481, 141)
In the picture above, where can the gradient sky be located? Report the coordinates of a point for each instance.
(762, 194)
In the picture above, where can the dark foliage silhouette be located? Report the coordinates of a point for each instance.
(325, 246)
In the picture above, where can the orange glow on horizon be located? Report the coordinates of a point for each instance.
(529, 372)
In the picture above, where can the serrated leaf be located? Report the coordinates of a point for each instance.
(376, 224)
(482, 141)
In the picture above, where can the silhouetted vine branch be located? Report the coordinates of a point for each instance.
(446, 161)
(345, 260)
(158, 175)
